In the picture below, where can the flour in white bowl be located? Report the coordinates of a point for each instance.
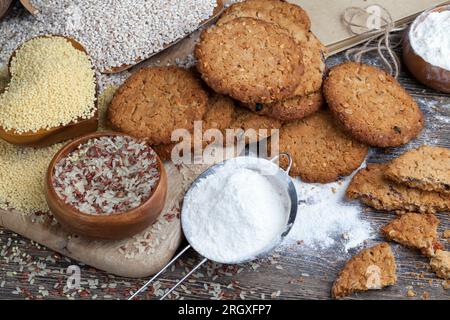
(430, 39)
(234, 214)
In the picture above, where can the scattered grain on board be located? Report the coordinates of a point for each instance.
(23, 171)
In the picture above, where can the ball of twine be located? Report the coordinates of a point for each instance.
(356, 18)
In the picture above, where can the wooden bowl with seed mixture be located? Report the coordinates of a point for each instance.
(46, 137)
(105, 226)
(430, 75)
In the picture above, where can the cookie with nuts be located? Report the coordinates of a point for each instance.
(414, 230)
(426, 168)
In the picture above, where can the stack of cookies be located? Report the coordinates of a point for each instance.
(263, 54)
(262, 68)
(366, 107)
(162, 104)
(260, 56)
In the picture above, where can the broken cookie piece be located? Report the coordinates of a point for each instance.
(440, 264)
(426, 168)
(372, 188)
(372, 268)
(415, 230)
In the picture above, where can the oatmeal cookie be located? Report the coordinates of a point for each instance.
(372, 268)
(250, 60)
(371, 187)
(219, 115)
(295, 108)
(223, 114)
(155, 101)
(414, 230)
(372, 105)
(294, 20)
(320, 150)
(262, 125)
(426, 168)
(313, 52)
(440, 264)
(288, 16)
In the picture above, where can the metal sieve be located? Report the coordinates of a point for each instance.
(277, 176)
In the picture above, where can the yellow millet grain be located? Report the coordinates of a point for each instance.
(52, 84)
(22, 170)
(103, 102)
(22, 174)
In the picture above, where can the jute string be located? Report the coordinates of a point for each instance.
(383, 44)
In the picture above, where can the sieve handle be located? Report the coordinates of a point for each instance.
(159, 273)
(184, 278)
(288, 156)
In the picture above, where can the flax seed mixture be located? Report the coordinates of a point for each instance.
(107, 175)
(52, 84)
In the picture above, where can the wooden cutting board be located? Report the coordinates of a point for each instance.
(142, 255)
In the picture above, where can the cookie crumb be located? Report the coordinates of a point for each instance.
(447, 234)
(410, 293)
(425, 295)
(445, 284)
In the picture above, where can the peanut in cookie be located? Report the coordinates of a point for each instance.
(371, 269)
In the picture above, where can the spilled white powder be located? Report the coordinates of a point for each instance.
(430, 39)
(325, 219)
(234, 214)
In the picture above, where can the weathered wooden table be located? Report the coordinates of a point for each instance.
(28, 270)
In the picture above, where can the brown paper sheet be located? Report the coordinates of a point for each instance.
(326, 17)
